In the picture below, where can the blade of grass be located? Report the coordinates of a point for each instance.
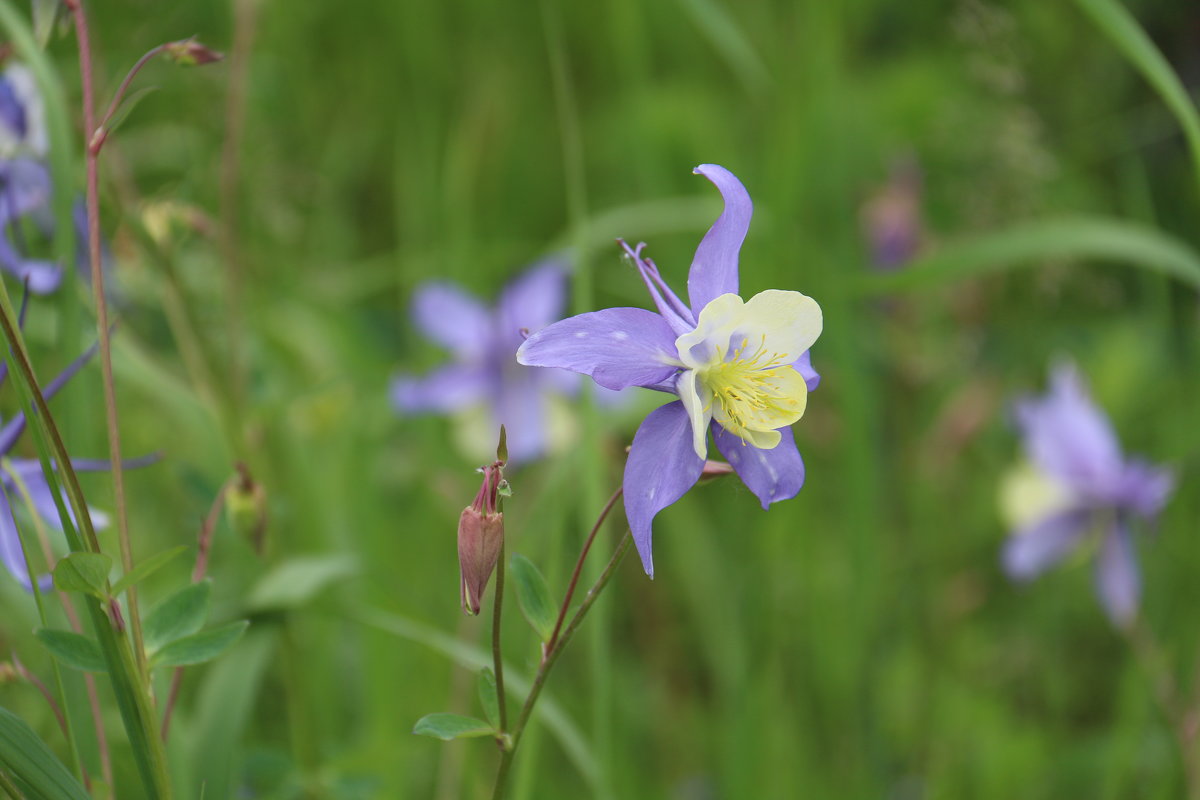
(1033, 243)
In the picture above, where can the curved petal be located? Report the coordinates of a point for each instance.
(714, 269)
(662, 466)
(533, 300)
(448, 388)
(521, 407)
(803, 365)
(452, 318)
(772, 328)
(697, 400)
(1068, 436)
(773, 475)
(1030, 551)
(618, 347)
(1117, 580)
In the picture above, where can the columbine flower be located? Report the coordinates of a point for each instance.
(740, 368)
(1079, 490)
(29, 471)
(482, 341)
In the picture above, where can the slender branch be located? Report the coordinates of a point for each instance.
(550, 658)
(587, 546)
(497, 661)
(203, 546)
(102, 326)
(1156, 666)
(100, 133)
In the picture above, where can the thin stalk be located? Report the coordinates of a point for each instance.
(1157, 669)
(587, 546)
(497, 661)
(203, 546)
(100, 133)
(551, 658)
(91, 154)
(131, 691)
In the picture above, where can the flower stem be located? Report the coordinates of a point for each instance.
(1171, 702)
(550, 658)
(587, 546)
(497, 661)
(110, 397)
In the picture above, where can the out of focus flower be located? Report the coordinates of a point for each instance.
(483, 372)
(26, 189)
(891, 217)
(739, 367)
(21, 475)
(1079, 491)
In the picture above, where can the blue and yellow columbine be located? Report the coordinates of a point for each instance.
(1078, 489)
(740, 368)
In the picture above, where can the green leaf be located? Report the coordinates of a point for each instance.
(200, 647)
(32, 764)
(452, 726)
(146, 568)
(297, 581)
(488, 697)
(1034, 243)
(533, 596)
(73, 649)
(1124, 32)
(86, 573)
(181, 614)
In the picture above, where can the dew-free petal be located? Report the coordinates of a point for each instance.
(803, 365)
(532, 301)
(773, 475)
(447, 388)
(1030, 551)
(618, 347)
(452, 318)
(714, 269)
(1117, 580)
(662, 466)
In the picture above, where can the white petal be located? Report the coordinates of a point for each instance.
(697, 401)
(784, 324)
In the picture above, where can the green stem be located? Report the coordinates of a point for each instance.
(551, 658)
(132, 693)
(497, 662)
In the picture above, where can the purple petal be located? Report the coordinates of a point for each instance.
(1068, 437)
(43, 499)
(678, 316)
(773, 475)
(14, 427)
(12, 555)
(520, 405)
(618, 347)
(803, 365)
(12, 110)
(534, 300)
(1117, 580)
(448, 388)
(1144, 488)
(24, 186)
(662, 466)
(452, 318)
(1031, 551)
(714, 269)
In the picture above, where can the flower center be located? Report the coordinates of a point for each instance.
(753, 388)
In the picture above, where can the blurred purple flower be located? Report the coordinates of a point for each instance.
(30, 473)
(1080, 490)
(482, 342)
(740, 368)
(891, 217)
(26, 189)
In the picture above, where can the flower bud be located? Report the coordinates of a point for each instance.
(246, 509)
(480, 537)
(191, 53)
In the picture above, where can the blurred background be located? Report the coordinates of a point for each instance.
(270, 217)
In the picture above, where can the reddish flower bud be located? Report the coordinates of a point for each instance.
(480, 536)
(191, 53)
